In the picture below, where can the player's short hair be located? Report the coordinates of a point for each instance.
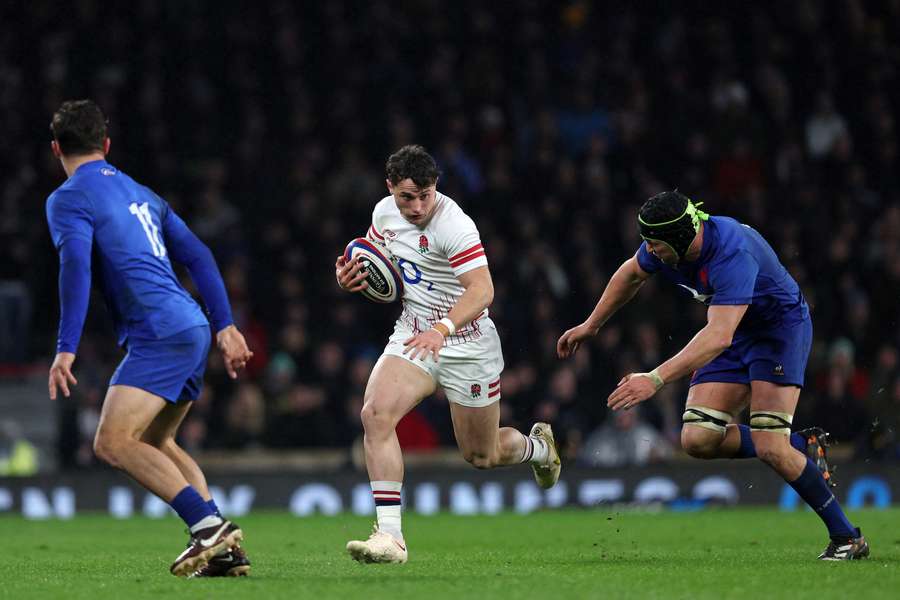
(79, 127)
(412, 162)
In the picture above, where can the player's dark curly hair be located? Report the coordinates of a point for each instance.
(79, 127)
(663, 207)
(412, 162)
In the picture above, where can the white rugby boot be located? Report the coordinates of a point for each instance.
(381, 547)
(547, 474)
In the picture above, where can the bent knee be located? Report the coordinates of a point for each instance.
(107, 448)
(480, 460)
(700, 442)
(375, 419)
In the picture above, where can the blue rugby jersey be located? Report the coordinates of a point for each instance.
(736, 266)
(127, 224)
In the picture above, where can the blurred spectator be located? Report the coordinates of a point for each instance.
(824, 128)
(552, 122)
(18, 456)
(624, 441)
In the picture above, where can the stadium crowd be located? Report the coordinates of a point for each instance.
(267, 128)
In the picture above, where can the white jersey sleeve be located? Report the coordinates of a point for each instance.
(376, 229)
(461, 242)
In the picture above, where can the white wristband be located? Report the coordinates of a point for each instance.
(446, 322)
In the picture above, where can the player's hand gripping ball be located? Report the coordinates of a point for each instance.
(382, 275)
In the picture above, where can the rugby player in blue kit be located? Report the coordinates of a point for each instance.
(753, 350)
(134, 234)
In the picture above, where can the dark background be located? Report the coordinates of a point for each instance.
(266, 126)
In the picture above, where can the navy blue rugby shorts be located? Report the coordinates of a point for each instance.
(775, 355)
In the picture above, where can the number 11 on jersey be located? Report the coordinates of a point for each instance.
(142, 212)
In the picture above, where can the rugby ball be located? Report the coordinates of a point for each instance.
(382, 275)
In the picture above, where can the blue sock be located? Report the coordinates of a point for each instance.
(811, 486)
(214, 508)
(191, 506)
(748, 450)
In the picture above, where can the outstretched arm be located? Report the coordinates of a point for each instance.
(712, 340)
(622, 287)
(186, 248)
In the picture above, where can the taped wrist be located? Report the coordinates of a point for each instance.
(654, 377)
(445, 327)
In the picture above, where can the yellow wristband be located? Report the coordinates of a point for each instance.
(441, 328)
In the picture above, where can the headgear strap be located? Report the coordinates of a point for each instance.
(677, 233)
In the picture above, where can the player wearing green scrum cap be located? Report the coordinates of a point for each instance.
(753, 350)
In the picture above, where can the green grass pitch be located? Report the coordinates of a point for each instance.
(602, 553)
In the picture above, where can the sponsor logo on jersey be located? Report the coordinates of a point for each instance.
(778, 370)
(476, 390)
(423, 244)
(108, 171)
(390, 234)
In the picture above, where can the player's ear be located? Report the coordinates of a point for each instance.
(106, 144)
(54, 147)
(389, 185)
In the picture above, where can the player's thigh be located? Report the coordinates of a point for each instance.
(729, 398)
(477, 429)
(710, 406)
(165, 425)
(395, 387)
(768, 396)
(128, 411)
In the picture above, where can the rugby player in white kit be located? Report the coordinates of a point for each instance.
(443, 337)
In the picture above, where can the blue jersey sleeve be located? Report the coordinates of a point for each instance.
(71, 224)
(186, 248)
(74, 292)
(647, 261)
(69, 216)
(734, 279)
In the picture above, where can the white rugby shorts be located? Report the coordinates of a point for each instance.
(469, 372)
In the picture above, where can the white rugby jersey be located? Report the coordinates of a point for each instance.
(431, 259)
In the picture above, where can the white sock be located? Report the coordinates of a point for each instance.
(210, 521)
(387, 506)
(536, 450)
